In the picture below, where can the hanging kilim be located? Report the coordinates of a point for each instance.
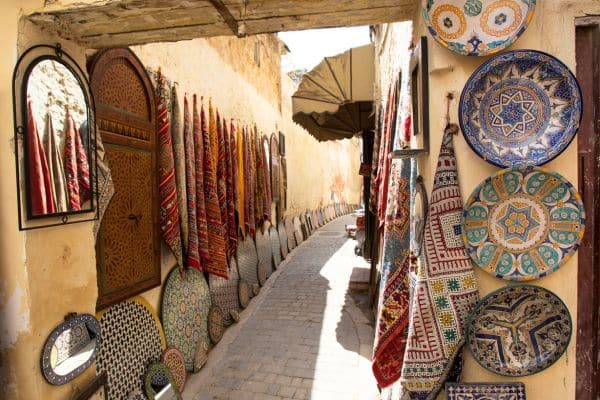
(192, 256)
(55, 166)
(201, 222)
(73, 194)
(83, 168)
(106, 187)
(213, 133)
(39, 181)
(217, 264)
(241, 195)
(250, 174)
(445, 291)
(222, 180)
(259, 188)
(266, 178)
(234, 180)
(230, 207)
(179, 159)
(392, 317)
(169, 211)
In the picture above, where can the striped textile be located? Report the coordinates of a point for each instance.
(268, 198)
(217, 264)
(56, 167)
(40, 184)
(179, 158)
(231, 228)
(83, 168)
(201, 222)
(249, 174)
(71, 170)
(222, 179)
(192, 255)
(241, 199)
(213, 132)
(169, 211)
(259, 187)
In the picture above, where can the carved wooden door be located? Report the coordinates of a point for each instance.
(128, 244)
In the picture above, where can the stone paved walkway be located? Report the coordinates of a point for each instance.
(302, 337)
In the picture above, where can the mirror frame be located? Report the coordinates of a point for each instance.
(21, 74)
(92, 324)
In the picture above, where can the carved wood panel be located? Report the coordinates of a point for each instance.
(128, 245)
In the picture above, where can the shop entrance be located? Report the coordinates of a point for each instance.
(588, 74)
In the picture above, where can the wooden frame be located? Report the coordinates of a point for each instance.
(94, 389)
(419, 81)
(588, 289)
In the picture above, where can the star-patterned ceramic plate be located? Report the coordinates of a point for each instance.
(477, 27)
(523, 223)
(520, 107)
(519, 330)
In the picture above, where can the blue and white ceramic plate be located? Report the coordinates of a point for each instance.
(477, 27)
(519, 330)
(523, 223)
(520, 107)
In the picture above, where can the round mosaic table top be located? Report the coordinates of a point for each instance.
(275, 246)
(265, 254)
(523, 223)
(247, 260)
(244, 293)
(224, 292)
(216, 328)
(520, 107)
(289, 231)
(519, 330)
(185, 304)
(131, 337)
(298, 230)
(283, 239)
(477, 27)
(173, 358)
(157, 377)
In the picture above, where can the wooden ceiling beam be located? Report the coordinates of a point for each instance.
(227, 17)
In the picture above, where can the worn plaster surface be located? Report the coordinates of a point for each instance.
(303, 336)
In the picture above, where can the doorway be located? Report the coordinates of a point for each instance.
(588, 75)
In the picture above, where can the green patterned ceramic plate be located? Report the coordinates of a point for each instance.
(523, 223)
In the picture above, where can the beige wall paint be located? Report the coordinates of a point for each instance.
(553, 31)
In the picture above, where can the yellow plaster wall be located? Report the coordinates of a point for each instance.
(553, 31)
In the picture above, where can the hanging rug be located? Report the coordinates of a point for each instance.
(224, 292)
(520, 107)
(247, 259)
(519, 330)
(523, 223)
(185, 304)
(275, 246)
(173, 358)
(131, 337)
(477, 27)
(283, 239)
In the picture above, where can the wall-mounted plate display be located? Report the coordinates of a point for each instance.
(523, 223)
(520, 107)
(55, 133)
(477, 27)
(71, 348)
(485, 391)
(519, 330)
(131, 338)
(185, 304)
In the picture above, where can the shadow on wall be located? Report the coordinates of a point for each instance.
(338, 185)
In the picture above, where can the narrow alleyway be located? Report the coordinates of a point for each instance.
(302, 337)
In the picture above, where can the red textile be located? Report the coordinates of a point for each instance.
(83, 168)
(217, 265)
(192, 256)
(259, 187)
(71, 170)
(201, 222)
(233, 134)
(231, 228)
(268, 201)
(169, 210)
(222, 179)
(40, 184)
(249, 175)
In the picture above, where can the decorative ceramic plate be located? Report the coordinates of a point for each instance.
(477, 27)
(131, 337)
(247, 260)
(216, 328)
(523, 223)
(265, 254)
(224, 292)
(275, 247)
(519, 330)
(244, 292)
(173, 358)
(289, 231)
(485, 391)
(283, 239)
(185, 304)
(520, 107)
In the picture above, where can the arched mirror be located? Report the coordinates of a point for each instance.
(55, 137)
(71, 348)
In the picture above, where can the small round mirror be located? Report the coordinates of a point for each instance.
(71, 348)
